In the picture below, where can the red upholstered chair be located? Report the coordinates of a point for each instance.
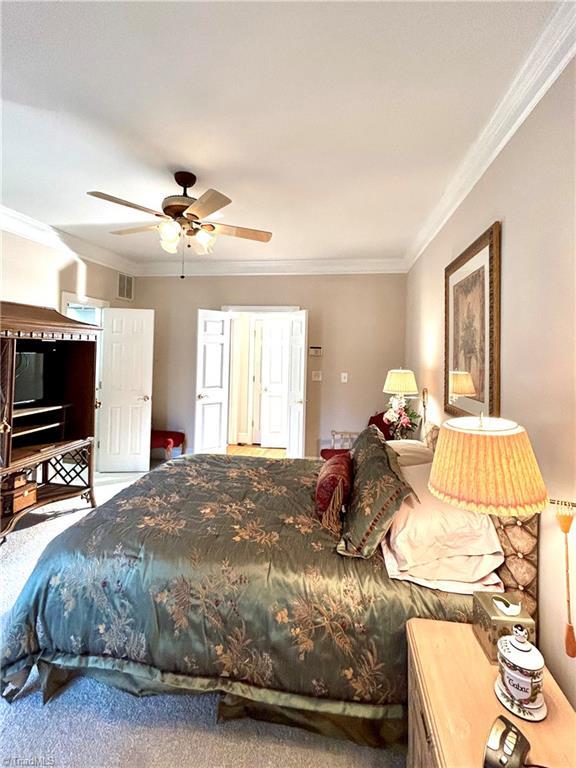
(168, 439)
(378, 420)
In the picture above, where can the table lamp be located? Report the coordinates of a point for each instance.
(487, 465)
(401, 383)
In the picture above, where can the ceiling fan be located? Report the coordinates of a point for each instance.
(182, 216)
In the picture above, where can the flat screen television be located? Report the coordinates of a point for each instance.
(29, 381)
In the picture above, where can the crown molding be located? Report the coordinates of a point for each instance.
(279, 267)
(551, 54)
(25, 226)
(17, 223)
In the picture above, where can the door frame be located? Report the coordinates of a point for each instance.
(67, 298)
(254, 311)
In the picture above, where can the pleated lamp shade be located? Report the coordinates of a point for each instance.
(400, 381)
(488, 466)
(461, 384)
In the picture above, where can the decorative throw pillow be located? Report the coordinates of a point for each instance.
(333, 490)
(370, 442)
(329, 453)
(378, 491)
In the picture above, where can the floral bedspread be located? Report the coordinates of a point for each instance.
(213, 573)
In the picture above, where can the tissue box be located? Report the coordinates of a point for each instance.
(490, 623)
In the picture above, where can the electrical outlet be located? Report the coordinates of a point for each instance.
(344, 378)
(316, 375)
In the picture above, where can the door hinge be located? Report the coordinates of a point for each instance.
(98, 444)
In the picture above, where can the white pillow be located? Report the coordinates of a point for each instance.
(411, 452)
(435, 541)
(490, 583)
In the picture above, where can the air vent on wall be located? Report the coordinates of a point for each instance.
(125, 287)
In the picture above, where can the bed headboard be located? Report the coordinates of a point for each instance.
(519, 571)
(519, 540)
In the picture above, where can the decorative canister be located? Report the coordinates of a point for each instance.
(519, 684)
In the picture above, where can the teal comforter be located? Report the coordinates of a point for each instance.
(212, 573)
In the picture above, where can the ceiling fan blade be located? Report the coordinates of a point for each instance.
(127, 203)
(207, 203)
(134, 230)
(232, 231)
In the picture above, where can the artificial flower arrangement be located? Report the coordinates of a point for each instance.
(400, 417)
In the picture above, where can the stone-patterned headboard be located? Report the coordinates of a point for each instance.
(519, 540)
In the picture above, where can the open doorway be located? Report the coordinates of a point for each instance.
(251, 374)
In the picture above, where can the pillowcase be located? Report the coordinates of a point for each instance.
(333, 490)
(436, 542)
(411, 452)
(489, 583)
(378, 491)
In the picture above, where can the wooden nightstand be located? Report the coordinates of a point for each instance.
(452, 705)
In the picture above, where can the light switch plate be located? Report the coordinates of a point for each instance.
(316, 375)
(344, 378)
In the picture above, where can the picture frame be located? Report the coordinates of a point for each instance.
(472, 328)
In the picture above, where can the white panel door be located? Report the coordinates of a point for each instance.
(274, 382)
(212, 381)
(126, 390)
(298, 334)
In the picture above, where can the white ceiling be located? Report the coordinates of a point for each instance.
(336, 125)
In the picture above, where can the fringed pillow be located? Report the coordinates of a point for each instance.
(333, 489)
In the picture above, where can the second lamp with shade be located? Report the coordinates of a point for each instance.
(401, 383)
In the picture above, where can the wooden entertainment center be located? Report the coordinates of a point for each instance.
(47, 404)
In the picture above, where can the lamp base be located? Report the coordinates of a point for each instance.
(533, 712)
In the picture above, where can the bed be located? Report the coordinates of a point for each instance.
(213, 574)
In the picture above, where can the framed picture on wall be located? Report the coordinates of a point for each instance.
(472, 328)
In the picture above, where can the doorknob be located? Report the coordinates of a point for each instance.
(201, 396)
(144, 397)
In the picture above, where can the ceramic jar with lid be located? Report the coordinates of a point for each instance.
(521, 671)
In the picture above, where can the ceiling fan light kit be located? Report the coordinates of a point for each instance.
(182, 216)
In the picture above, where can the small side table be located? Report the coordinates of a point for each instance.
(452, 705)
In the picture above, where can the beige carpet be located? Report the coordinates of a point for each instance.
(90, 725)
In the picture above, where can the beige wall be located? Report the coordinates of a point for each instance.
(530, 189)
(357, 319)
(31, 273)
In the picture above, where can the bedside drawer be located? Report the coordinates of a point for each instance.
(422, 751)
